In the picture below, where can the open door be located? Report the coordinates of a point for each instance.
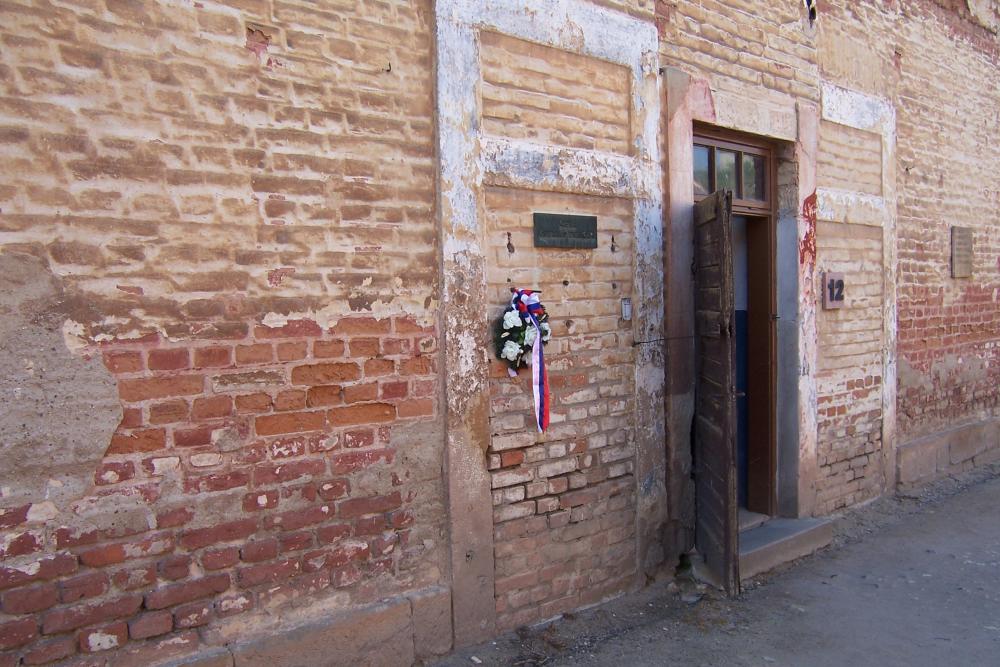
(714, 459)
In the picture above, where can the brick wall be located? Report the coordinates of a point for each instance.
(849, 375)
(564, 501)
(552, 96)
(949, 328)
(741, 44)
(238, 201)
(931, 59)
(851, 339)
(849, 159)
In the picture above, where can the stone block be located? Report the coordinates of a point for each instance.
(431, 620)
(917, 461)
(967, 442)
(379, 635)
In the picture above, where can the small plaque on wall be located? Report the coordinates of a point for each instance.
(961, 252)
(561, 230)
(833, 290)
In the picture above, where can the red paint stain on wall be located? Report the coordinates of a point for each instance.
(807, 246)
(257, 41)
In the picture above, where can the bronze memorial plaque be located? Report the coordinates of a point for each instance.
(560, 230)
(961, 252)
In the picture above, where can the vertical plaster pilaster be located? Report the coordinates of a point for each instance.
(465, 328)
(889, 310)
(679, 289)
(806, 147)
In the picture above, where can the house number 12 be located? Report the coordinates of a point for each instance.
(833, 294)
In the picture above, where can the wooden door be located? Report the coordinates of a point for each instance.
(717, 525)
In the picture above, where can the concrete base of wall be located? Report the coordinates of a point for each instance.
(393, 633)
(945, 452)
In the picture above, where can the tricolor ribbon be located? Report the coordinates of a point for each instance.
(526, 303)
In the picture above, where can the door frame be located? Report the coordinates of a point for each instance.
(763, 500)
(793, 125)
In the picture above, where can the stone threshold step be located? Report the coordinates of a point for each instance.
(750, 520)
(780, 541)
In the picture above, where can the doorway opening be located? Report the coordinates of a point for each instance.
(745, 167)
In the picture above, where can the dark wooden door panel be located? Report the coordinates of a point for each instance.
(761, 456)
(715, 409)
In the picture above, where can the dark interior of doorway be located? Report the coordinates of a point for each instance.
(753, 278)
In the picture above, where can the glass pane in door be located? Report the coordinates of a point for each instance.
(702, 182)
(754, 184)
(725, 171)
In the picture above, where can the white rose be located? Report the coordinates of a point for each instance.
(529, 336)
(511, 351)
(511, 319)
(546, 332)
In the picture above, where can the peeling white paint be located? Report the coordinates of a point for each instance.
(101, 641)
(73, 335)
(162, 466)
(858, 110)
(986, 13)
(42, 512)
(31, 569)
(329, 316)
(123, 334)
(468, 359)
(523, 164)
(206, 460)
(850, 207)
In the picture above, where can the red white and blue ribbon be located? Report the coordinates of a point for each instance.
(527, 304)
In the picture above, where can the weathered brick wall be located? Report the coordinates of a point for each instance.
(931, 61)
(949, 374)
(564, 514)
(850, 240)
(564, 501)
(739, 45)
(849, 375)
(852, 339)
(233, 206)
(552, 96)
(238, 201)
(849, 159)
(949, 327)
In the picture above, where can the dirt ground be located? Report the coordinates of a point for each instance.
(909, 580)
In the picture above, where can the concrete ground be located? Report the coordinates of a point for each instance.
(909, 580)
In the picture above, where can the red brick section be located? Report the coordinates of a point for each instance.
(948, 356)
(224, 418)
